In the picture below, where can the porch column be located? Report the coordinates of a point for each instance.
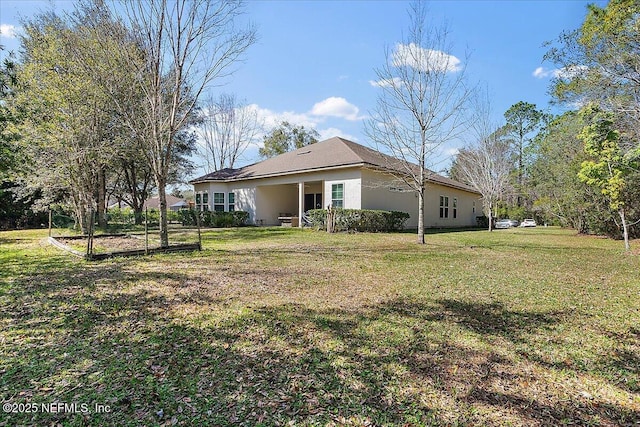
(300, 203)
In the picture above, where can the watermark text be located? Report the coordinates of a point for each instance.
(55, 408)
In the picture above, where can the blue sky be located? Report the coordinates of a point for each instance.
(314, 61)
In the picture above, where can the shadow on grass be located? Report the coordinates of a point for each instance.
(493, 319)
(73, 335)
(6, 241)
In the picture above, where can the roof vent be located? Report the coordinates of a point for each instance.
(304, 152)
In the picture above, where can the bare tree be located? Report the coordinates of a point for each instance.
(227, 128)
(422, 103)
(188, 46)
(486, 165)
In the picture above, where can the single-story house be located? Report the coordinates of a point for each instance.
(334, 172)
(173, 203)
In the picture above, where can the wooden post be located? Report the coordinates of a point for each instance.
(199, 233)
(146, 231)
(329, 219)
(90, 235)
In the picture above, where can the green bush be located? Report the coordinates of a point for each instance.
(360, 220)
(317, 218)
(153, 217)
(214, 219)
(482, 221)
(121, 215)
(62, 220)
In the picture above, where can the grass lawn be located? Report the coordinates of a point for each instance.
(523, 327)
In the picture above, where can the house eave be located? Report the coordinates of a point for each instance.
(279, 174)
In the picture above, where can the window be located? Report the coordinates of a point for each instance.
(205, 201)
(232, 202)
(218, 202)
(474, 207)
(337, 195)
(444, 207)
(455, 208)
(202, 201)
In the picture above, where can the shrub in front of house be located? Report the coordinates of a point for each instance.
(214, 219)
(364, 220)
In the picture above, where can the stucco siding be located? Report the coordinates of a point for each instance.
(274, 200)
(377, 193)
(466, 211)
(266, 198)
(380, 191)
(352, 195)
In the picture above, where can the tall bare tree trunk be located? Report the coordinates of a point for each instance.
(490, 217)
(625, 229)
(102, 196)
(164, 230)
(421, 216)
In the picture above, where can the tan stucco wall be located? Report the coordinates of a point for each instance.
(266, 198)
(376, 194)
(273, 200)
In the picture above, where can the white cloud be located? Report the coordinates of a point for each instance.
(396, 81)
(562, 73)
(417, 57)
(336, 107)
(451, 151)
(8, 31)
(271, 119)
(543, 73)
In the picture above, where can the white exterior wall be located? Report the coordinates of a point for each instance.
(352, 191)
(210, 188)
(245, 195)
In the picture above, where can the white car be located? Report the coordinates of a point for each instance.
(529, 222)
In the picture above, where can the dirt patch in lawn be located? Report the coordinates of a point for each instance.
(107, 243)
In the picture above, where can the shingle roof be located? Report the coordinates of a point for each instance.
(332, 153)
(154, 202)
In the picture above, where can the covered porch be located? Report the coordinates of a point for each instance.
(285, 203)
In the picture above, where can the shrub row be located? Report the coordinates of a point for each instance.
(360, 220)
(127, 216)
(214, 219)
